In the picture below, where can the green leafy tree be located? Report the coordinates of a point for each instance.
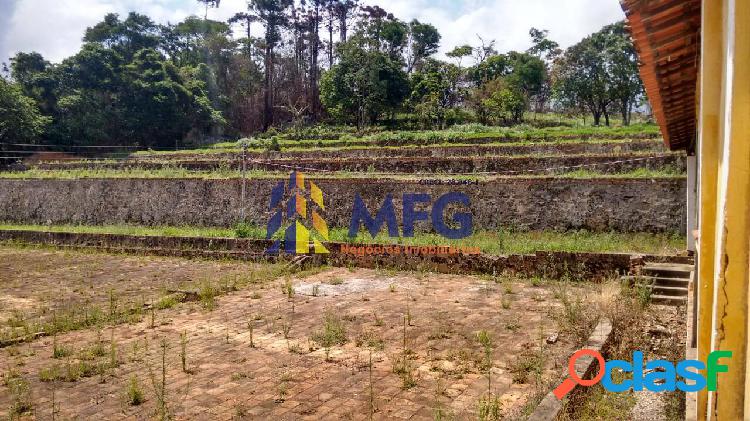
(20, 119)
(599, 71)
(542, 46)
(126, 37)
(506, 103)
(435, 92)
(364, 85)
(424, 41)
(627, 87)
(460, 52)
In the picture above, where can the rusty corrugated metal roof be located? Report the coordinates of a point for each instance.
(666, 34)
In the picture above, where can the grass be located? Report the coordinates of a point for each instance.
(330, 146)
(491, 242)
(328, 137)
(135, 392)
(332, 334)
(223, 174)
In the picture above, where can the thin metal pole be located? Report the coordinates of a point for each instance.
(244, 182)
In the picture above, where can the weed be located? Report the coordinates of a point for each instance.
(392, 287)
(528, 364)
(59, 351)
(490, 408)
(238, 376)
(378, 321)
(167, 302)
(333, 332)
(286, 326)
(288, 289)
(485, 340)
(256, 296)
(20, 394)
(283, 390)
(369, 339)
(574, 317)
(207, 296)
(335, 281)
(251, 328)
(513, 325)
(240, 411)
(372, 390)
(183, 350)
(160, 385)
(506, 302)
(134, 393)
(113, 361)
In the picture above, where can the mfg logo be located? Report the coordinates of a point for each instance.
(387, 215)
(296, 203)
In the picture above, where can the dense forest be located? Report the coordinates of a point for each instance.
(136, 82)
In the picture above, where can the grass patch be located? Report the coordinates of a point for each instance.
(491, 242)
(223, 174)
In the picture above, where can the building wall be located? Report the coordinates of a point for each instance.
(724, 223)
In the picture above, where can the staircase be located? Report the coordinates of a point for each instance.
(669, 282)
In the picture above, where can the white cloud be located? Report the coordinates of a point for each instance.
(508, 21)
(55, 27)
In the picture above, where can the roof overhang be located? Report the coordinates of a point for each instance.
(666, 34)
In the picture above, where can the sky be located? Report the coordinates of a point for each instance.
(54, 28)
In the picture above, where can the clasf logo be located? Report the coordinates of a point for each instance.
(654, 376)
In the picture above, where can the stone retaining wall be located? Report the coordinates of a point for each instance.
(548, 264)
(628, 205)
(608, 164)
(542, 148)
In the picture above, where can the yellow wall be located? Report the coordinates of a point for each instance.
(724, 244)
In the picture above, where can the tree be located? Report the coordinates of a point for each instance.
(460, 52)
(344, 10)
(542, 46)
(272, 13)
(126, 37)
(209, 4)
(599, 70)
(627, 86)
(20, 119)
(424, 41)
(363, 85)
(506, 103)
(435, 92)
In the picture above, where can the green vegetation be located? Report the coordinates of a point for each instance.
(222, 174)
(493, 242)
(138, 83)
(20, 120)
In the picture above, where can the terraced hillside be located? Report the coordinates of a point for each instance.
(596, 180)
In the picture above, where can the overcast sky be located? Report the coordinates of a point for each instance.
(54, 28)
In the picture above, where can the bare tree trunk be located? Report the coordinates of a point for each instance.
(268, 90)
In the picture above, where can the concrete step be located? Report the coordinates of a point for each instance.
(668, 300)
(669, 291)
(650, 280)
(667, 270)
